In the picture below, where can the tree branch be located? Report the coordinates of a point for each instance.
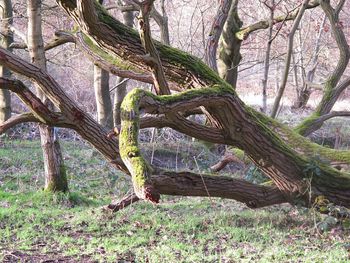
(185, 183)
(331, 91)
(264, 24)
(101, 59)
(124, 202)
(40, 112)
(152, 56)
(17, 119)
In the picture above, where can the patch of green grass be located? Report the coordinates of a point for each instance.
(74, 226)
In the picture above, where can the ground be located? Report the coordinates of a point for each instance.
(36, 226)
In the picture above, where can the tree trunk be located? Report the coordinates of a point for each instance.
(103, 98)
(304, 93)
(215, 33)
(229, 47)
(55, 173)
(288, 159)
(267, 57)
(281, 89)
(333, 88)
(5, 40)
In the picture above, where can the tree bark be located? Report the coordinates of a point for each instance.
(332, 88)
(215, 33)
(120, 92)
(5, 40)
(55, 173)
(229, 47)
(103, 98)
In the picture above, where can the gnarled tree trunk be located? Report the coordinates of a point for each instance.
(287, 158)
(229, 46)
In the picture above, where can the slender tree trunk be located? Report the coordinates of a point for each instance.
(288, 59)
(304, 93)
(103, 98)
(5, 40)
(55, 174)
(120, 91)
(267, 57)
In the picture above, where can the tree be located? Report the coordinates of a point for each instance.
(299, 170)
(6, 40)
(55, 173)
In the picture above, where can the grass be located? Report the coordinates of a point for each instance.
(36, 225)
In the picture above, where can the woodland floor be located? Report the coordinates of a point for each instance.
(36, 226)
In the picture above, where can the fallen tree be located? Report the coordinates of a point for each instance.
(300, 170)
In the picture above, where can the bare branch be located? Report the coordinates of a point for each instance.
(124, 202)
(264, 24)
(228, 158)
(61, 38)
(183, 183)
(152, 56)
(339, 7)
(19, 33)
(41, 112)
(17, 119)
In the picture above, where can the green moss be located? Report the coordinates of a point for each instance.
(238, 153)
(194, 65)
(112, 59)
(128, 139)
(59, 183)
(306, 124)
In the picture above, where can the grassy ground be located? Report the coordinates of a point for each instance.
(36, 226)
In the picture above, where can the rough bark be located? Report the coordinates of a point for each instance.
(229, 47)
(215, 33)
(55, 173)
(5, 42)
(120, 92)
